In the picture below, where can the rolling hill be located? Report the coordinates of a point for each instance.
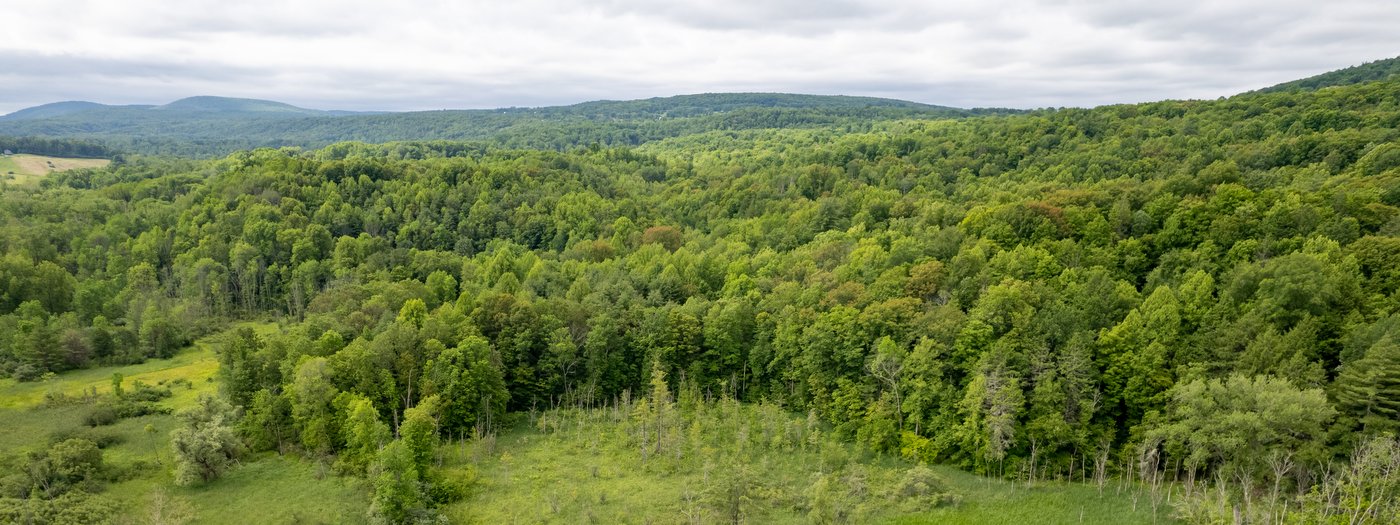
(1388, 69)
(56, 109)
(203, 126)
(233, 106)
(191, 107)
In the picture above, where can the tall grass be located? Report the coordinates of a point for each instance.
(726, 462)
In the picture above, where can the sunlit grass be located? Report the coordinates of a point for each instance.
(197, 363)
(592, 474)
(264, 489)
(261, 489)
(26, 170)
(987, 500)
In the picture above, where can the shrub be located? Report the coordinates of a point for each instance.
(73, 507)
(920, 489)
(920, 482)
(100, 416)
(102, 437)
(142, 392)
(26, 373)
(205, 445)
(128, 409)
(54, 398)
(446, 487)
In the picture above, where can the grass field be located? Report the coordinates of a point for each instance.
(588, 469)
(25, 169)
(262, 489)
(987, 500)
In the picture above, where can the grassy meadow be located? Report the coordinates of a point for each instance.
(264, 488)
(754, 464)
(25, 169)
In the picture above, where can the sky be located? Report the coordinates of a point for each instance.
(426, 54)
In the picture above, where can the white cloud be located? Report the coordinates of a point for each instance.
(428, 54)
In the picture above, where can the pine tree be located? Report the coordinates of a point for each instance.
(660, 402)
(1370, 387)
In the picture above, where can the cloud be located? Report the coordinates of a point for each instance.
(432, 54)
(783, 16)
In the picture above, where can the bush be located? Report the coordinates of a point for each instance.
(450, 486)
(109, 413)
(75, 460)
(205, 445)
(54, 398)
(102, 415)
(128, 409)
(920, 482)
(26, 373)
(73, 507)
(829, 501)
(184, 382)
(14, 486)
(140, 468)
(142, 392)
(102, 437)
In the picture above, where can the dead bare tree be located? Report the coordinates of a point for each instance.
(1101, 468)
(1280, 464)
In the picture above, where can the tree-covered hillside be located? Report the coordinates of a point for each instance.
(205, 126)
(51, 110)
(1197, 296)
(1388, 69)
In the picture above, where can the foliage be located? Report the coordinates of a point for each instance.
(67, 509)
(398, 490)
(205, 445)
(1369, 72)
(55, 147)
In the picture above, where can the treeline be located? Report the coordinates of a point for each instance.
(626, 123)
(1203, 292)
(55, 147)
(1379, 70)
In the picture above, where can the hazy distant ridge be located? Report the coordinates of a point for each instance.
(218, 125)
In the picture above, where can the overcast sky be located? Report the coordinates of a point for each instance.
(420, 54)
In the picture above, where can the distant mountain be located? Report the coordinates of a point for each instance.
(1388, 69)
(192, 107)
(56, 109)
(203, 126)
(706, 103)
(234, 106)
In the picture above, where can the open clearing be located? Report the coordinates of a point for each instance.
(584, 467)
(264, 488)
(24, 168)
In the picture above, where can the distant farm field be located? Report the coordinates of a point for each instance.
(24, 168)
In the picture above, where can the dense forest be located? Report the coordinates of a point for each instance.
(1191, 293)
(214, 126)
(1388, 69)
